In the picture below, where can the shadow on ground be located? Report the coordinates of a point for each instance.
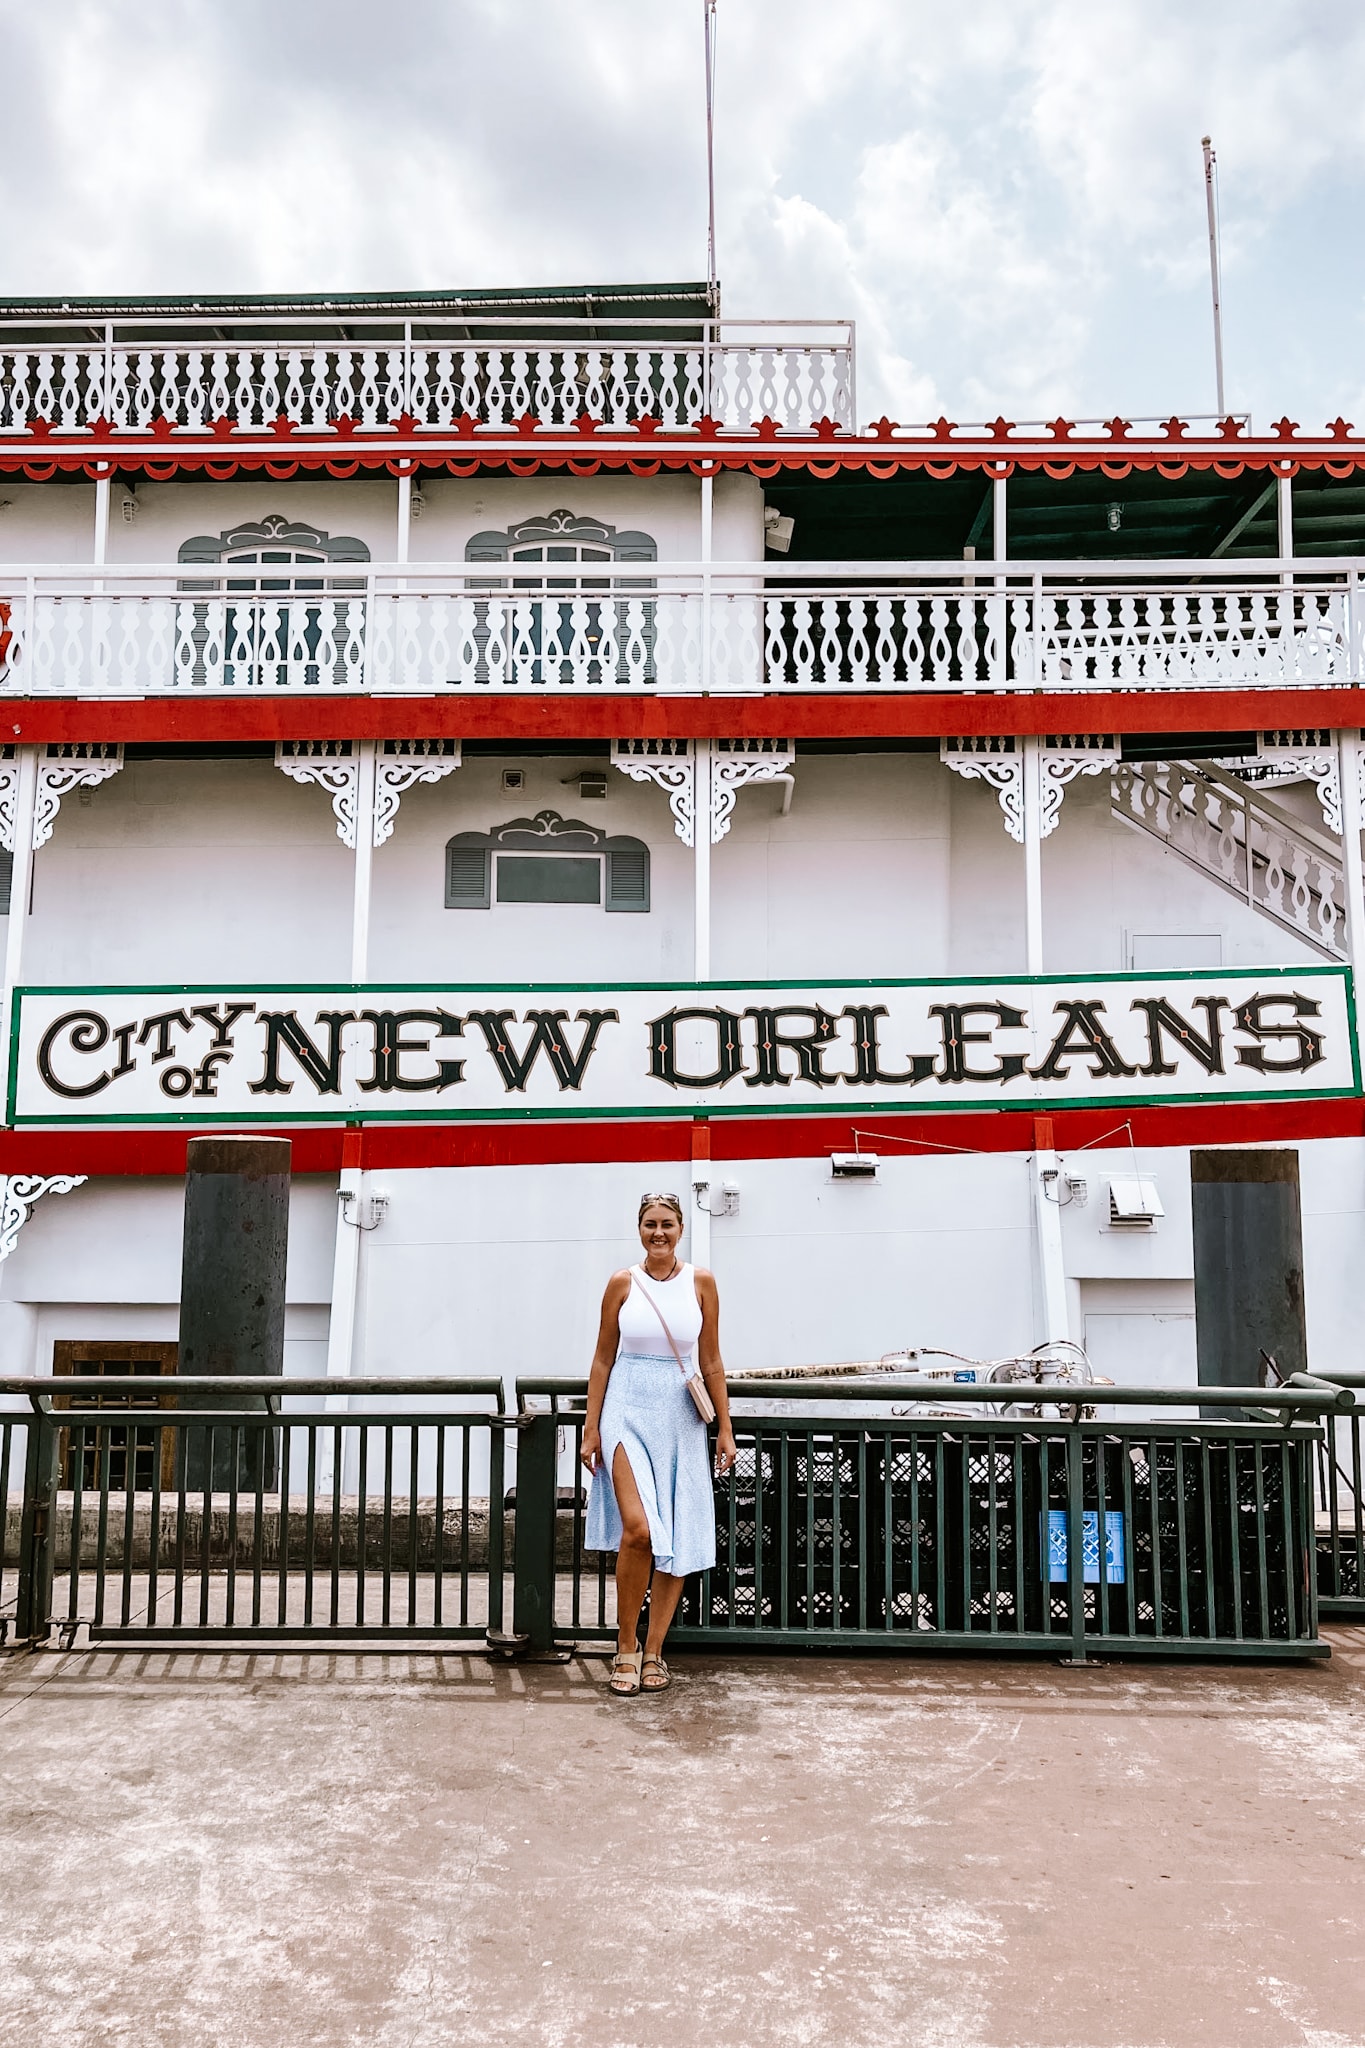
(413, 1852)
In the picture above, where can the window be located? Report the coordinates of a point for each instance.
(546, 859)
(264, 639)
(134, 1455)
(546, 638)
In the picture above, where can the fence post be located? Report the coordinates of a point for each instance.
(34, 1602)
(1075, 1542)
(533, 1547)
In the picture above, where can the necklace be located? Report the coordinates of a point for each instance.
(662, 1278)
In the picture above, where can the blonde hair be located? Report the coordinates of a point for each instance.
(664, 1202)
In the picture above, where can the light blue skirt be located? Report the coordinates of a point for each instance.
(649, 1411)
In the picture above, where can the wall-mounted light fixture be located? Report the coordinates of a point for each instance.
(729, 1198)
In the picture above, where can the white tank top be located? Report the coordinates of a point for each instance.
(641, 1333)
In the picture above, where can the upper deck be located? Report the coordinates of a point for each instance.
(1075, 560)
(398, 366)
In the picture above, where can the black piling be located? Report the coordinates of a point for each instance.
(232, 1295)
(1248, 1265)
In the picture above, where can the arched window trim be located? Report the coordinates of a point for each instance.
(562, 529)
(297, 541)
(470, 858)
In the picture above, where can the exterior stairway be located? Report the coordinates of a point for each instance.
(1242, 840)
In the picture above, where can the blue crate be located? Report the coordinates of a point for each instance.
(1090, 1547)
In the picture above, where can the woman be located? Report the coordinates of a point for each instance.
(645, 1443)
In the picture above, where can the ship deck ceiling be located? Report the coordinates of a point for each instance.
(616, 313)
(914, 516)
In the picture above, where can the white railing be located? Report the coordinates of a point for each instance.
(422, 629)
(1242, 840)
(735, 374)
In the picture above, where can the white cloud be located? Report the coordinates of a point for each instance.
(1008, 198)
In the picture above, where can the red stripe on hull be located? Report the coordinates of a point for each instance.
(909, 715)
(398, 1147)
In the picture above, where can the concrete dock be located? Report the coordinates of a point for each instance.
(435, 1852)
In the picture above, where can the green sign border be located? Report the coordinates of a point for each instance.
(682, 1113)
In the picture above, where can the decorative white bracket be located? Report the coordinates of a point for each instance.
(667, 762)
(1062, 758)
(19, 1195)
(1283, 756)
(399, 764)
(74, 764)
(999, 760)
(736, 762)
(334, 765)
(672, 764)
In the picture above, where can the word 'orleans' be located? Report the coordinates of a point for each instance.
(695, 1047)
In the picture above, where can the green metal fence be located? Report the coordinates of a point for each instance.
(370, 1523)
(1339, 1519)
(379, 1513)
(1046, 1531)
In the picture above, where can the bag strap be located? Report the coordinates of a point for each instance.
(635, 1281)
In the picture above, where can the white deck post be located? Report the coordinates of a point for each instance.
(1033, 853)
(364, 861)
(701, 860)
(101, 520)
(341, 1323)
(1348, 776)
(1047, 1167)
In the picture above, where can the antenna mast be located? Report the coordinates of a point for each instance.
(709, 33)
(1211, 195)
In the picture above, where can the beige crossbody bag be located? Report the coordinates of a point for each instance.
(696, 1385)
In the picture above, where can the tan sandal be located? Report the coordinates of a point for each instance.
(664, 1679)
(626, 1667)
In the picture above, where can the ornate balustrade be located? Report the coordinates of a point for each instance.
(1244, 841)
(422, 629)
(140, 383)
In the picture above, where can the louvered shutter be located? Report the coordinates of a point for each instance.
(6, 879)
(628, 879)
(468, 875)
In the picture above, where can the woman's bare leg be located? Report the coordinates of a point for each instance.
(635, 1558)
(664, 1595)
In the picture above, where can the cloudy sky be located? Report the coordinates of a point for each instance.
(1006, 195)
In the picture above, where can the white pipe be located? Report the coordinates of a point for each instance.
(1047, 1188)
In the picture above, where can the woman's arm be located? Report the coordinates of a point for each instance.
(603, 1359)
(713, 1368)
